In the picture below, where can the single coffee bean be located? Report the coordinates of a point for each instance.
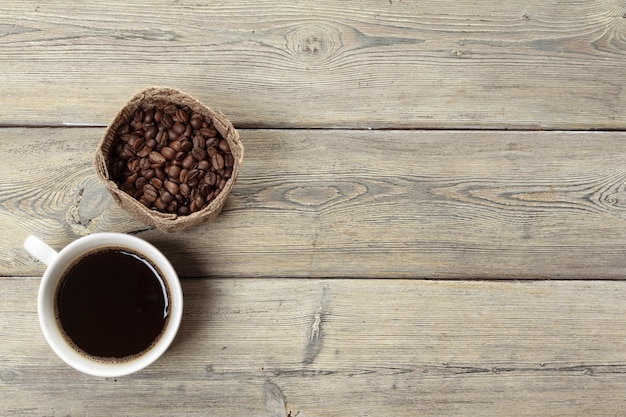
(199, 142)
(147, 173)
(144, 152)
(156, 183)
(156, 158)
(158, 114)
(184, 189)
(218, 162)
(171, 186)
(151, 132)
(172, 134)
(188, 161)
(224, 146)
(186, 145)
(130, 179)
(151, 143)
(133, 164)
(150, 193)
(179, 128)
(148, 116)
(167, 121)
(141, 181)
(170, 109)
(144, 163)
(160, 205)
(184, 175)
(198, 153)
(181, 116)
(166, 196)
(204, 165)
(159, 173)
(176, 146)
(196, 121)
(172, 171)
(229, 160)
(168, 153)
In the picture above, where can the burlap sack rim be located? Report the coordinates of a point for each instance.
(165, 221)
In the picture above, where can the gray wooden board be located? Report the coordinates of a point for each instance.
(280, 347)
(342, 203)
(366, 63)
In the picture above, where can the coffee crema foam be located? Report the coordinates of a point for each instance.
(112, 305)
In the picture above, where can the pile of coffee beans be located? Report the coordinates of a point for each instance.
(171, 159)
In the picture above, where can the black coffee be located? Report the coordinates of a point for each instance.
(112, 304)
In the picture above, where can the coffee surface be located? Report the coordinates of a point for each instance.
(112, 304)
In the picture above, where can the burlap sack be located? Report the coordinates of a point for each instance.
(164, 221)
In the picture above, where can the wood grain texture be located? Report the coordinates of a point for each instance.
(394, 204)
(370, 63)
(345, 348)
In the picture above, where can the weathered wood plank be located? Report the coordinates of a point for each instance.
(367, 63)
(279, 347)
(434, 204)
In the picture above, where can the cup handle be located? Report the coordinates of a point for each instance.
(40, 250)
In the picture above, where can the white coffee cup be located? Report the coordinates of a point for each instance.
(58, 263)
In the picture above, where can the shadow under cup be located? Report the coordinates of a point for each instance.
(56, 281)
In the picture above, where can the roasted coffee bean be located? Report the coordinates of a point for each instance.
(210, 178)
(168, 153)
(184, 189)
(171, 186)
(167, 121)
(186, 145)
(160, 205)
(161, 137)
(156, 183)
(133, 164)
(196, 121)
(176, 146)
(144, 152)
(148, 116)
(151, 143)
(218, 162)
(181, 116)
(147, 174)
(199, 142)
(204, 165)
(151, 132)
(172, 171)
(167, 197)
(229, 160)
(193, 174)
(224, 146)
(188, 161)
(150, 193)
(179, 128)
(156, 158)
(144, 163)
(172, 134)
(170, 109)
(198, 153)
(141, 181)
(159, 173)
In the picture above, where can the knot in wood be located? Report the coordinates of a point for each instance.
(314, 41)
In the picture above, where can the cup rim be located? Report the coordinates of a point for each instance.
(54, 335)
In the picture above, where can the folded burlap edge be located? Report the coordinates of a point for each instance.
(167, 222)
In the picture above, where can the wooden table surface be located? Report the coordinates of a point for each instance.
(430, 219)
